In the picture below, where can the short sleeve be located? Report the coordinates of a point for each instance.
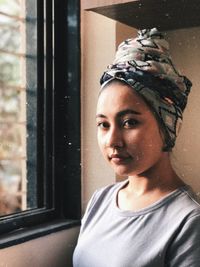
(185, 248)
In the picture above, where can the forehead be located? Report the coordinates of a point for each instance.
(117, 96)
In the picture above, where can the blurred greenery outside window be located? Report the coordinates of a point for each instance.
(18, 80)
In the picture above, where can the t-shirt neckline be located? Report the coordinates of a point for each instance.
(149, 208)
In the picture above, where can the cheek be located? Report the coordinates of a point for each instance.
(145, 142)
(153, 145)
(101, 142)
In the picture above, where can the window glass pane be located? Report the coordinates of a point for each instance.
(18, 80)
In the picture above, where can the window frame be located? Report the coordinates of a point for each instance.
(58, 132)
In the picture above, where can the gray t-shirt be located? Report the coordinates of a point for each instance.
(166, 233)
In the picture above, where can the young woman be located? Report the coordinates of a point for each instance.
(152, 218)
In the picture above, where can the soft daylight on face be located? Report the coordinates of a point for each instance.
(128, 133)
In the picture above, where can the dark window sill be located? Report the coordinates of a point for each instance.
(23, 235)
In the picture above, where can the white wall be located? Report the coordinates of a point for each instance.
(185, 49)
(98, 49)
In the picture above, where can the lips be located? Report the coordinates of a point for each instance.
(119, 158)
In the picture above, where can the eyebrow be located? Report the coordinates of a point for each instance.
(121, 113)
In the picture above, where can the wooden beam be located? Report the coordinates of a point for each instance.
(90, 4)
(165, 14)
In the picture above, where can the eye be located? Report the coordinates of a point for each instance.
(130, 123)
(103, 125)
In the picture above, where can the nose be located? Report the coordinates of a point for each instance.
(114, 138)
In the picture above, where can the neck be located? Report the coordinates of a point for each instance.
(160, 177)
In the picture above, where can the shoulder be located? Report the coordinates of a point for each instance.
(186, 215)
(191, 200)
(193, 196)
(184, 202)
(100, 201)
(109, 189)
(102, 198)
(105, 194)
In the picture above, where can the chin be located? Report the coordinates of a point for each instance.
(122, 171)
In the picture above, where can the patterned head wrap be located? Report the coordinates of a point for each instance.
(145, 64)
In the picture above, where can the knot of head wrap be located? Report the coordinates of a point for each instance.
(145, 64)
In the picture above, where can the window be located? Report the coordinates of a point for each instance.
(12, 107)
(39, 113)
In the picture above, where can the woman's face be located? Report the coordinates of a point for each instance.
(128, 133)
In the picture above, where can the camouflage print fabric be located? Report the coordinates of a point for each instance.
(145, 64)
